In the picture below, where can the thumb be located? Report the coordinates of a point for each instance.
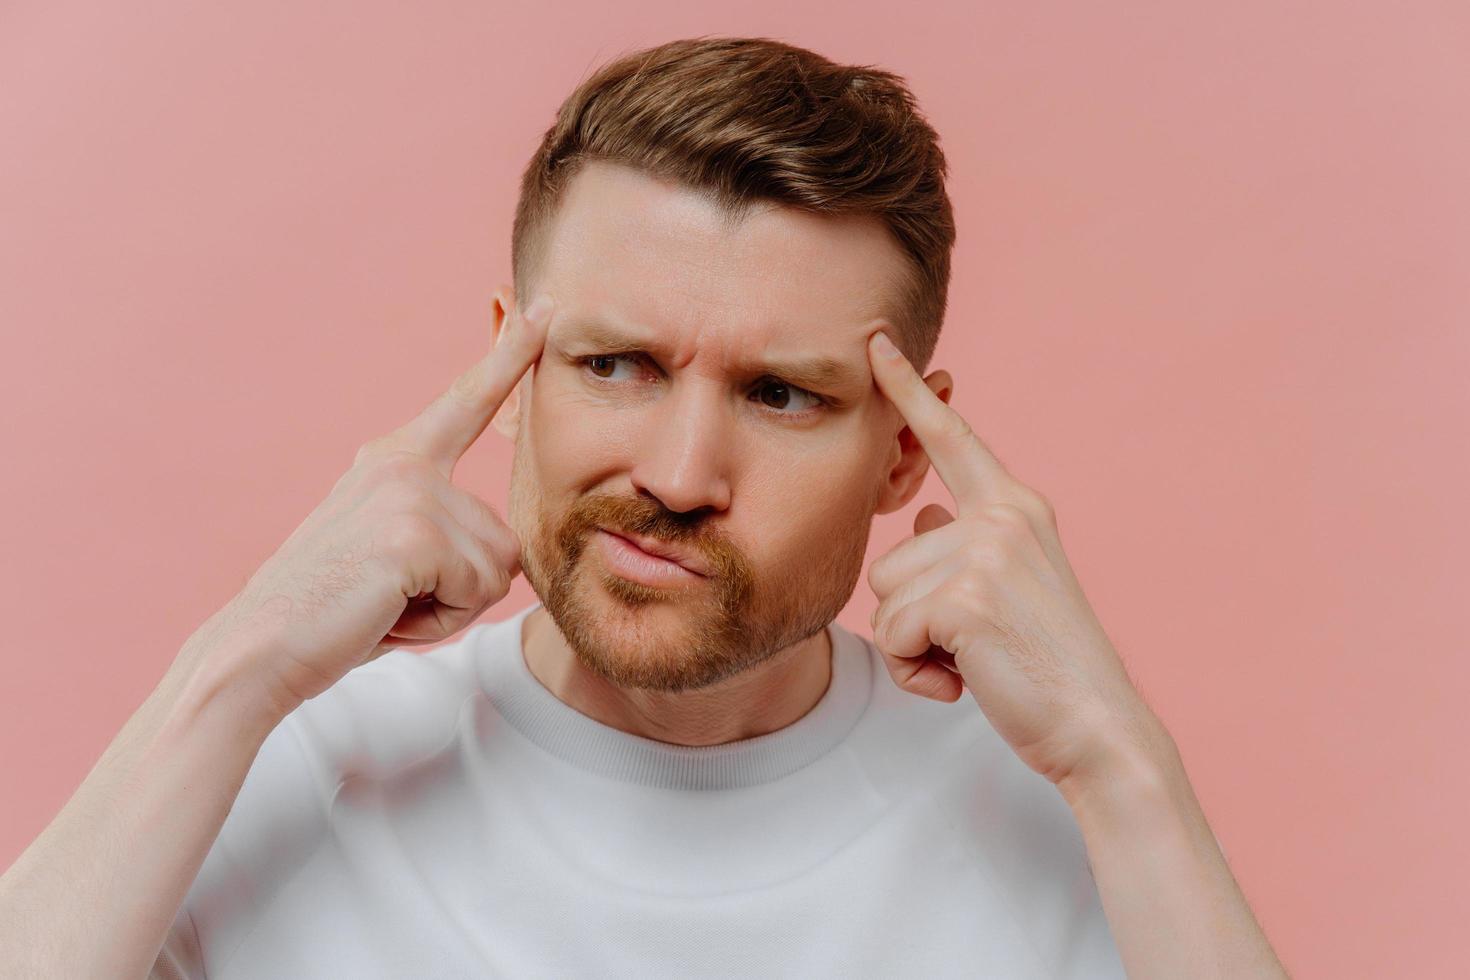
(930, 517)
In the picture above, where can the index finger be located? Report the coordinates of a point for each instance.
(454, 420)
(966, 465)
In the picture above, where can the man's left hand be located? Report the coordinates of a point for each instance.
(985, 599)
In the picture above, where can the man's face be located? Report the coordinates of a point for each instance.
(667, 404)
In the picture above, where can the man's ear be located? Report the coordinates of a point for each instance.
(508, 419)
(906, 462)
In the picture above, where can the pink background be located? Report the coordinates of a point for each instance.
(1210, 296)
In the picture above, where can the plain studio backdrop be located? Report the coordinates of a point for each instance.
(1210, 296)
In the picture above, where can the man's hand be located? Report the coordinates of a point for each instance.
(396, 555)
(985, 599)
(989, 594)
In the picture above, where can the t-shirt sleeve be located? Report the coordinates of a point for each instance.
(275, 823)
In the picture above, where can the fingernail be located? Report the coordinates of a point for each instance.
(538, 309)
(885, 346)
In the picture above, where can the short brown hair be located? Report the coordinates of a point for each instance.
(754, 119)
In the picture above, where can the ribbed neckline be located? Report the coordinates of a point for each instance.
(588, 744)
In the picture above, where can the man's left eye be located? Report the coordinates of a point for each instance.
(771, 392)
(778, 394)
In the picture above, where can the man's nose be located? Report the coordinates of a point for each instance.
(683, 454)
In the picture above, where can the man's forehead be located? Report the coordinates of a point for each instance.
(638, 261)
(619, 232)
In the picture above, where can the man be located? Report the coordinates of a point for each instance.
(676, 763)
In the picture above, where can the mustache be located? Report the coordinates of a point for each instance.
(646, 517)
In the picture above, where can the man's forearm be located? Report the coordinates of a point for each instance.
(1173, 906)
(94, 894)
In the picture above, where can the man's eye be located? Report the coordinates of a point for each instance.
(771, 392)
(602, 364)
(778, 394)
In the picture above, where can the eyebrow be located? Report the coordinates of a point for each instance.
(817, 371)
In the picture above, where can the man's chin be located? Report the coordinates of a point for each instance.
(642, 626)
(653, 645)
(602, 602)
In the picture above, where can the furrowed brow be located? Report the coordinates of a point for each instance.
(817, 372)
(607, 339)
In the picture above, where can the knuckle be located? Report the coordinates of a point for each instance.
(498, 584)
(882, 630)
(484, 575)
(412, 534)
(971, 587)
(465, 389)
(957, 427)
(1006, 514)
(509, 550)
(879, 616)
(1042, 507)
(370, 448)
(486, 584)
(1009, 522)
(878, 576)
(1033, 505)
(886, 633)
(379, 449)
(476, 572)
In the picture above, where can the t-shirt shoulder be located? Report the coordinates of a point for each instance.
(898, 725)
(377, 719)
(1009, 818)
(388, 714)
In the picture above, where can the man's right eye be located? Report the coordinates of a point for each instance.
(603, 365)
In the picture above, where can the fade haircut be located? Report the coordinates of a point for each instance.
(753, 120)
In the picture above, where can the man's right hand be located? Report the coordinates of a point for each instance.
(396, 555)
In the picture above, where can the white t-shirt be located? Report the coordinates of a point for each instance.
(442, 814)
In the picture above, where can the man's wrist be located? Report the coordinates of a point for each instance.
(1172, 904)
(1136, 757)
(225, 679)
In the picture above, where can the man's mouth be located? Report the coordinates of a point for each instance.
(649, 560)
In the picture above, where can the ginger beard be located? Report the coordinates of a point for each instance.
(672, 640)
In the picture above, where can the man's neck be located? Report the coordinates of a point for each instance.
(765, 699)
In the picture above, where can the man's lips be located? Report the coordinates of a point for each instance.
(662, 549)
